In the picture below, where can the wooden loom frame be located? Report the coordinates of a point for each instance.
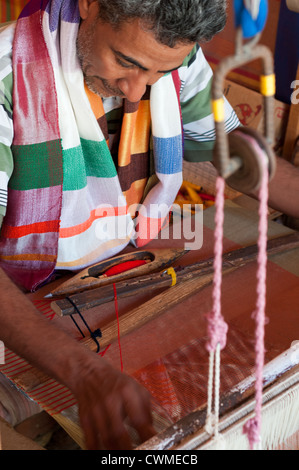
(281, 377)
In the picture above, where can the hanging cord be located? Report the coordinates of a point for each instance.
(253, 427)
(93, 334)
(216, 328)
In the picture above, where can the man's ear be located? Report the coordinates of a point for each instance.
(84, 7)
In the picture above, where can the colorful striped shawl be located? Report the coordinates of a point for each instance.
(55, 126)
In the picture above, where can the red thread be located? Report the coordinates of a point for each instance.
(125, 266)
(102, 353)
(118, 329)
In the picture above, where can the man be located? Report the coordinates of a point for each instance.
(73, 63)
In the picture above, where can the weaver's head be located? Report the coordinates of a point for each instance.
(171, 21)
(125, 45)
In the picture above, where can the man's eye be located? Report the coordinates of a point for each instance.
(124, 64)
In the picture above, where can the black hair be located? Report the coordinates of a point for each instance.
(171, 21)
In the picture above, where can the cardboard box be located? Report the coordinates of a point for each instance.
(248, 105)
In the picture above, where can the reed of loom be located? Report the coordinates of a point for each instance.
(280, 412)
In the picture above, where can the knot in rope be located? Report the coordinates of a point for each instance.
(251, 429)
(217, 330)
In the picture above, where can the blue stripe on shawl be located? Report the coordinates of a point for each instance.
(66, 10)
(168, 154)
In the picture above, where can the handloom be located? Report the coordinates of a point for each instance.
(172, 360)
(61, 404)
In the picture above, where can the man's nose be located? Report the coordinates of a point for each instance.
(133, 86)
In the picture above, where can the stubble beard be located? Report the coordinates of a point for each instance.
(84, 46)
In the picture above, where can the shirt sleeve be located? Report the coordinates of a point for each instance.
(6, 128)
(196, 78)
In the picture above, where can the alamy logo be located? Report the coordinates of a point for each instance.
(295, 94)
(116, 223)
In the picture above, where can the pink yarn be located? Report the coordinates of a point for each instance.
(253, 427)
(217, 328)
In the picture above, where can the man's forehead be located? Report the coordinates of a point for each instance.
(132, 42)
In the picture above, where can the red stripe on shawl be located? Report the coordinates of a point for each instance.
(148, 228)
(177, 82)
(94, 215)
(39, 227)
(34, 104)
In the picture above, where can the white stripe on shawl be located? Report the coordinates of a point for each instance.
(92, 245)
(79, 203)
(166, 119)
(207, 125)
(199, 75)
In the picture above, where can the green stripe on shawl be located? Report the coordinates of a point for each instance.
(199, 106)
(198, 151)
(6, 163)
(98, 160)
(6, 95)
(31, 162)
(90, 159)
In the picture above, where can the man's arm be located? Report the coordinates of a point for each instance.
(105, 396)
(284, 188)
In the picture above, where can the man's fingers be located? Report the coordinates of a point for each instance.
(104, 428)
(138, 410)
(91, 436)
(110, 404)
(116, 436)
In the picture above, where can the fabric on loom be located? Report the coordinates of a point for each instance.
(176, 380)
(71, 196)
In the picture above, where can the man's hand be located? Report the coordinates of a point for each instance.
(107, 400)
(106, 397)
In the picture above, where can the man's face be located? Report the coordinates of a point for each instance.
(123, 62)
